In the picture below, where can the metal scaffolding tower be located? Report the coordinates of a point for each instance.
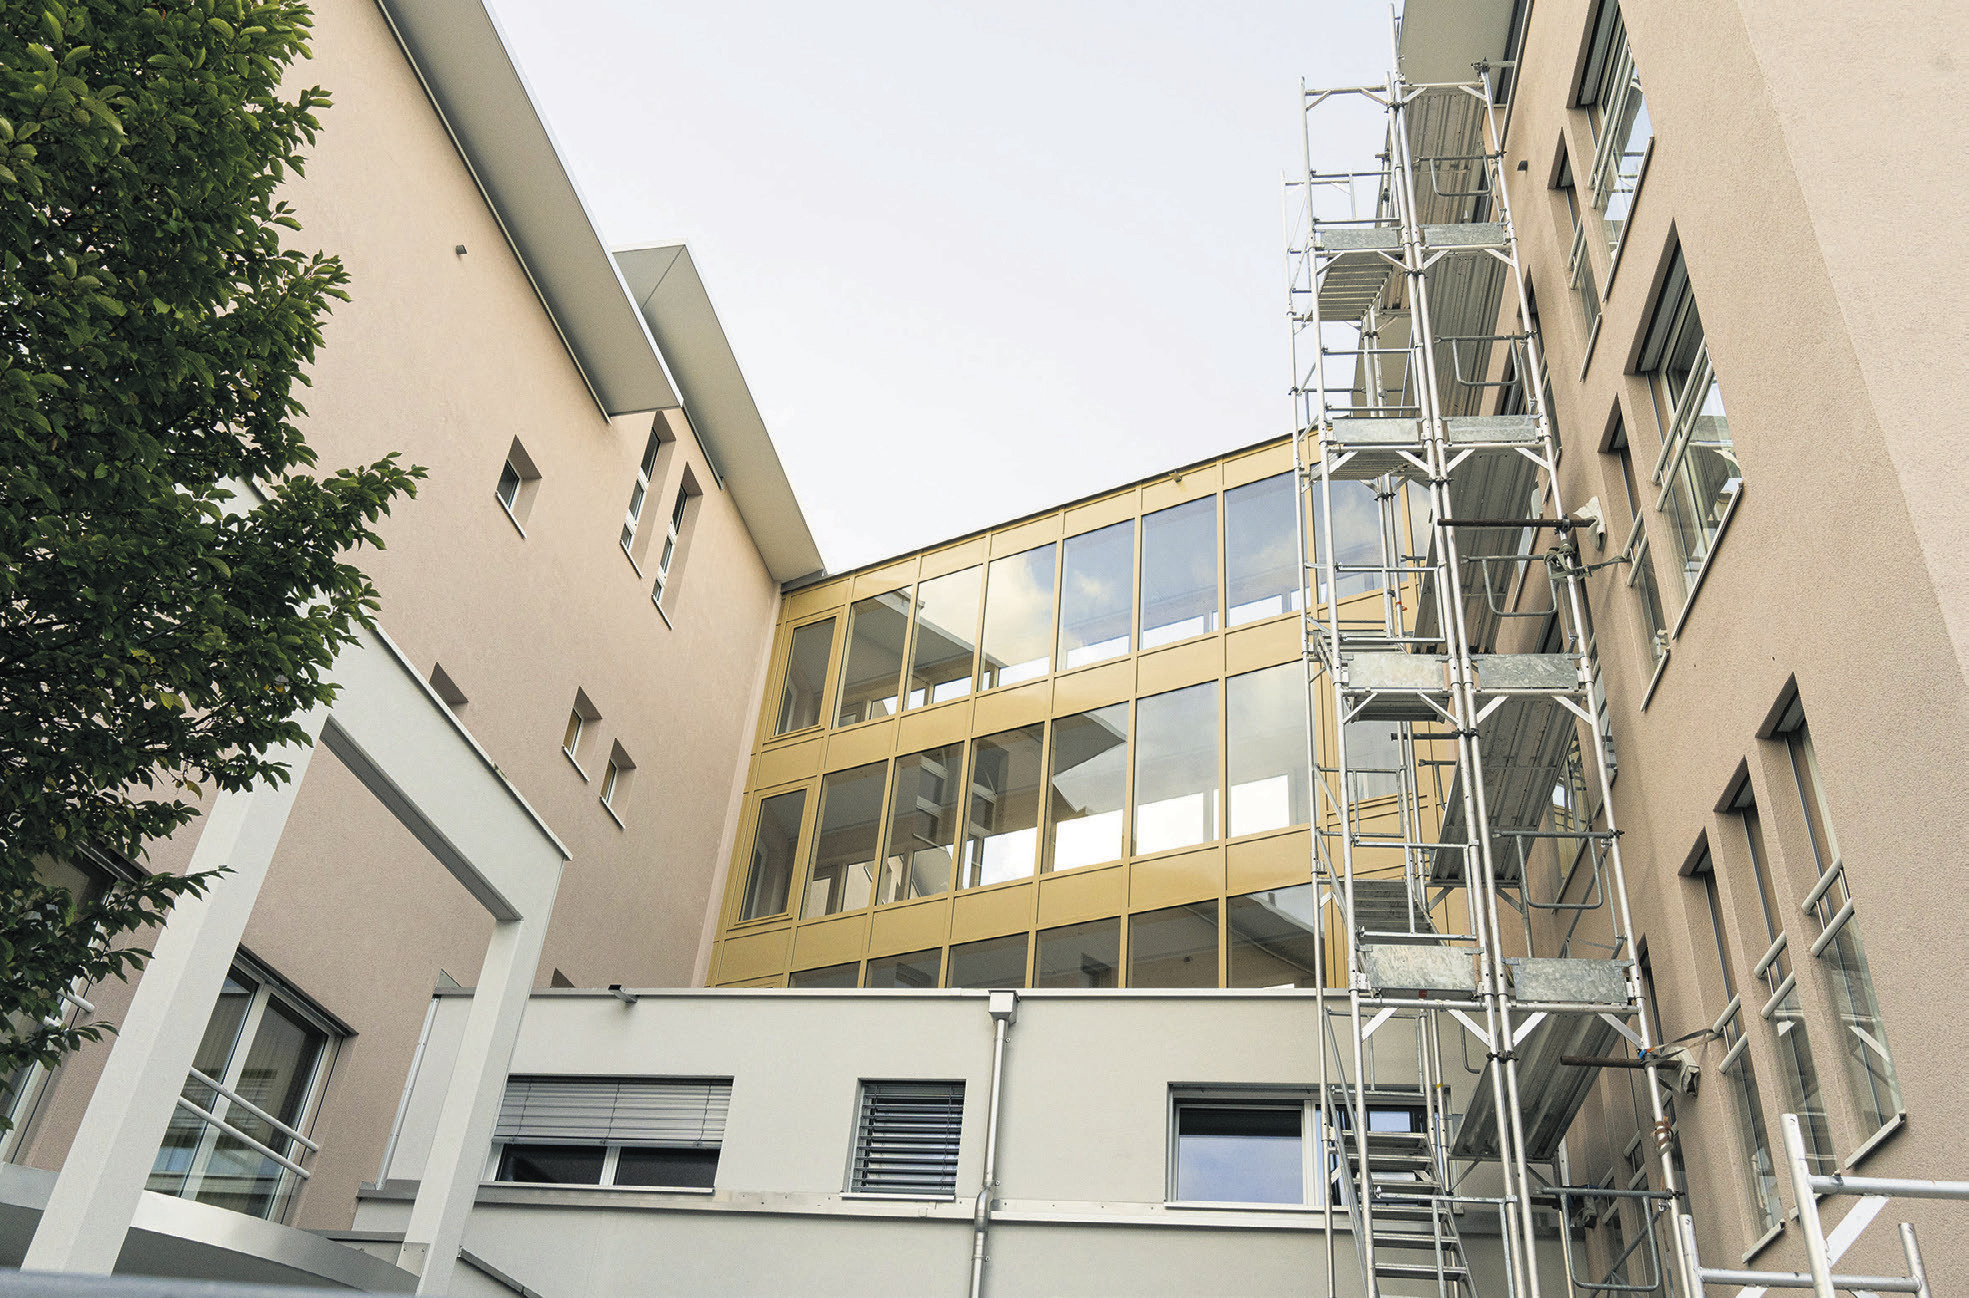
(1470, 888)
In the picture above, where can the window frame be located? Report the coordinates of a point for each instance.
(646, 480)
(669, 556)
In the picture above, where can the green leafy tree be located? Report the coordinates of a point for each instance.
(160, 630)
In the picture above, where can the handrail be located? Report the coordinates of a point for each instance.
(1777, 948)
(250, 1142)
(254, 1109)
(1826, 880)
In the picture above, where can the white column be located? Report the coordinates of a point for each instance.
(102, 1179)
(449, 1185)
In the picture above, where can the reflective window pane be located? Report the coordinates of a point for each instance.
(806, 677)
(1240, 1153)
(944, 653)
(1266, 742)
(873, 673)
(917, 969)
(923, 810)
(1374, 758)
(1080, 955)
(1097, 580)
(834, 975)
(1273, 938)
(1357, 536)
(1083, 819)
(1174, 948)
(1018, 623)
(843, 873)
(994, 962)
(1001, 824)
(773, 848)
(1176, 769)
(1179, 572)
(1261, 551)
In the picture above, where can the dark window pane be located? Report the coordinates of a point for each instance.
(1266, 739)
(917, 969)
(1261, 550)
(834, 975)
(1090, 773)
(553, 1164)
(1001, 826)
(944, 652)
(1097, 584)
(1176, 769)
(1080, 955)
(1272, 938)
(806, 677)
(995, 962)
(773, 848)
(844, 843)
(696, 1168)
(1239, 1154)
(1179, 572)
(873, 672)
(1018, 624)
(923, 811)
(1174, 948)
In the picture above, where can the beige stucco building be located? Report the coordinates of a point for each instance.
(1070, 755)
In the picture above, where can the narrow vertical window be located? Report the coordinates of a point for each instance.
(518, 483)
(1261, 550)
(1579, 270)
(666, 563)
(1176, 769)
(1622, 129)
(639, 493)
(1875, 1083)
(1179, 572)
(1266, 736)
(1698, 476)
(806, 677)
(1097, 584)
(872, 676)
(924, 805)
(943, 651)
(581, 719)
(1086, 790)
(1001, 819)
(1753, 1138)
(1018, 623)
(615, 779)
(843, 873)
(775, 843)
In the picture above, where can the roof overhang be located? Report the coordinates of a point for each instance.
(460, 54)
(1440, 39)
(666, 286)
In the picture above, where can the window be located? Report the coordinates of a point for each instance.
(1232, 1148)
(259, 1070)
(943, 653)
(871, 679)
(1266, 738)
(1087, 788)
(806, 677)
(1176, 769)
(843, 873)
(519, 482)
(1622, 130)
(1176, 947)
(1782, 1009)
(647, 1133)
(1261, 551)
(1001, 822)
(1097, 582)
(1374, 759)
(1617, 445)
(1080, 955)
(907, 1139)
(834, 975)
(1753, 1137)
(917, 969)
(1579, 269)
(1273, 938)
(1641, 580)
(994, 962)
(639, 493)
(774, 846)
(615, 780)
(673, 540)
(924, 805)
(581, 719)
(1358, 538)
(1018, 622)
(1875, 1084)
(1179, 573)
(1698, 477)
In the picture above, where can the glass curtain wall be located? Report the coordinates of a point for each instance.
(1261, 551)
(1018, 621)
(775, 842)
(1270, 786)
(1179, 573)
(1876, 1086)
(1097, 584)
(1273, 938)
(806, 677)
(843, 873)
(1001, 824)
(1176, 947)
(1080, 955)
(994, 962)
(943, 652)
(1087, 788)
(924, 805)
(1176, 769)
(871, 677)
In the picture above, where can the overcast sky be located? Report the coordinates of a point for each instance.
(975, 259)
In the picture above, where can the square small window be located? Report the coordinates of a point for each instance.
(907, 1139)
(616, 776)
(581, 719)
(1230, 1150)
(518, 482)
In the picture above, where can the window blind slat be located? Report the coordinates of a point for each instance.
(686, 1113)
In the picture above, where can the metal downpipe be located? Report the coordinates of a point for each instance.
(1004, 1007)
